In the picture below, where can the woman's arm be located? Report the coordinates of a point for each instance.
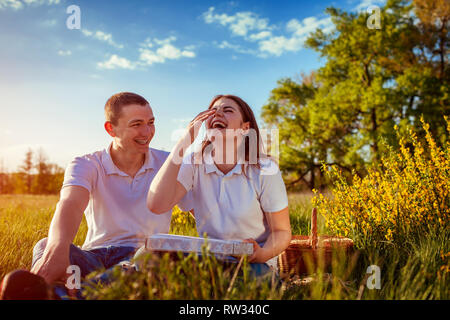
(278, 240)
(165, 190)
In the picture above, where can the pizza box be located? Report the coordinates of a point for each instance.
(171, 242)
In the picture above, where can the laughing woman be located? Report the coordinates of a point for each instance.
(238, 192)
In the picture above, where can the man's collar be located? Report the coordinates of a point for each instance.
(111, 168)
(149, 162)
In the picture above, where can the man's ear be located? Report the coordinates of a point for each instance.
(109, 129)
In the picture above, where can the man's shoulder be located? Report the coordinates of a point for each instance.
(93, 156)
(89, 160)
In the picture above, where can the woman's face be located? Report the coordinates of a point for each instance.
(227, 116)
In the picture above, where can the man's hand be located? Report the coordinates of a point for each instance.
(52, 266)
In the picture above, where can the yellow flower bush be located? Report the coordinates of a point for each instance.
(407, 195)
(182, 223)
(179, 216)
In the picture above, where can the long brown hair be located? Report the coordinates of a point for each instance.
(247, 116)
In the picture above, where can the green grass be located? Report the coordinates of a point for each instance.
(421, 272)
(24, 220)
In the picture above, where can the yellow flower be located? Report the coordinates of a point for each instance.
(411, 193)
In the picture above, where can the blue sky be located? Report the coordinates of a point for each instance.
(54, 81)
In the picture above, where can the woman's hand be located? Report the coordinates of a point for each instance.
(194, 126)
(259, 254)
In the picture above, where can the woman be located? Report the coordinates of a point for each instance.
(236, 193)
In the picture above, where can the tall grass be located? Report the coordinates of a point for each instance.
(191, 277)
(24, 220)
(419, 273)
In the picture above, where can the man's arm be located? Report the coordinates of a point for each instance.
(63, 229)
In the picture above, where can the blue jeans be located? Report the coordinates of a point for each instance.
(89, 260)
(257, 270)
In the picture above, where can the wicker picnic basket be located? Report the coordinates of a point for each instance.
(313, 249)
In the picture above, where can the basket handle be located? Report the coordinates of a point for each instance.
(313, 238)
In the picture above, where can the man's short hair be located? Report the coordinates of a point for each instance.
(114, 105)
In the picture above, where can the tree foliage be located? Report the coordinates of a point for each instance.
(36, 175)
(373, 79)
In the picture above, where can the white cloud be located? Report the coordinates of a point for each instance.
(147, 43)
(168, 51)
(365, 4)
(308, 25)
(165, 51)
(41, 1)
(240, 24)
(148, 57)
(235, 47)
(64, 53)
(299, 33)
(162, 42)
(260, 35)
(188, 54)
(278, 45)
(151, 51)
(247, 21)
(223, 19)
(116, 62)
(13, 4)
(102, 36)
(257, 30)
(19, 4)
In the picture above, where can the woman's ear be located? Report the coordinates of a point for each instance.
(245, 127)
(109, 129)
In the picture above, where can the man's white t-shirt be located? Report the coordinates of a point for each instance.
(117, 213)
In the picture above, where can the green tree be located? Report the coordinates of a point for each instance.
(373, 79)
(49, 176)
(56, 178)
(5, 180)
(303, 150)
(42, 183)
(426, 78)
(24, 178)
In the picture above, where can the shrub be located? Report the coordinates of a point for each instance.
(182, 223)
(397, 202)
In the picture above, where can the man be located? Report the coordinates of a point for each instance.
(110, 187)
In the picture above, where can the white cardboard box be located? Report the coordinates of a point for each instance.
(170, 242)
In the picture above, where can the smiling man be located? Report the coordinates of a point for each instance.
(110, 187)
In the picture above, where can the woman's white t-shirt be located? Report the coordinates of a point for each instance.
(232, 206)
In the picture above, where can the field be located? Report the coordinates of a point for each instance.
(419, 274)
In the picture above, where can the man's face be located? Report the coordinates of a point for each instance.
(135, 128)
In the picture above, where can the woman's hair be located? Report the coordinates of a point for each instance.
(247, 116)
